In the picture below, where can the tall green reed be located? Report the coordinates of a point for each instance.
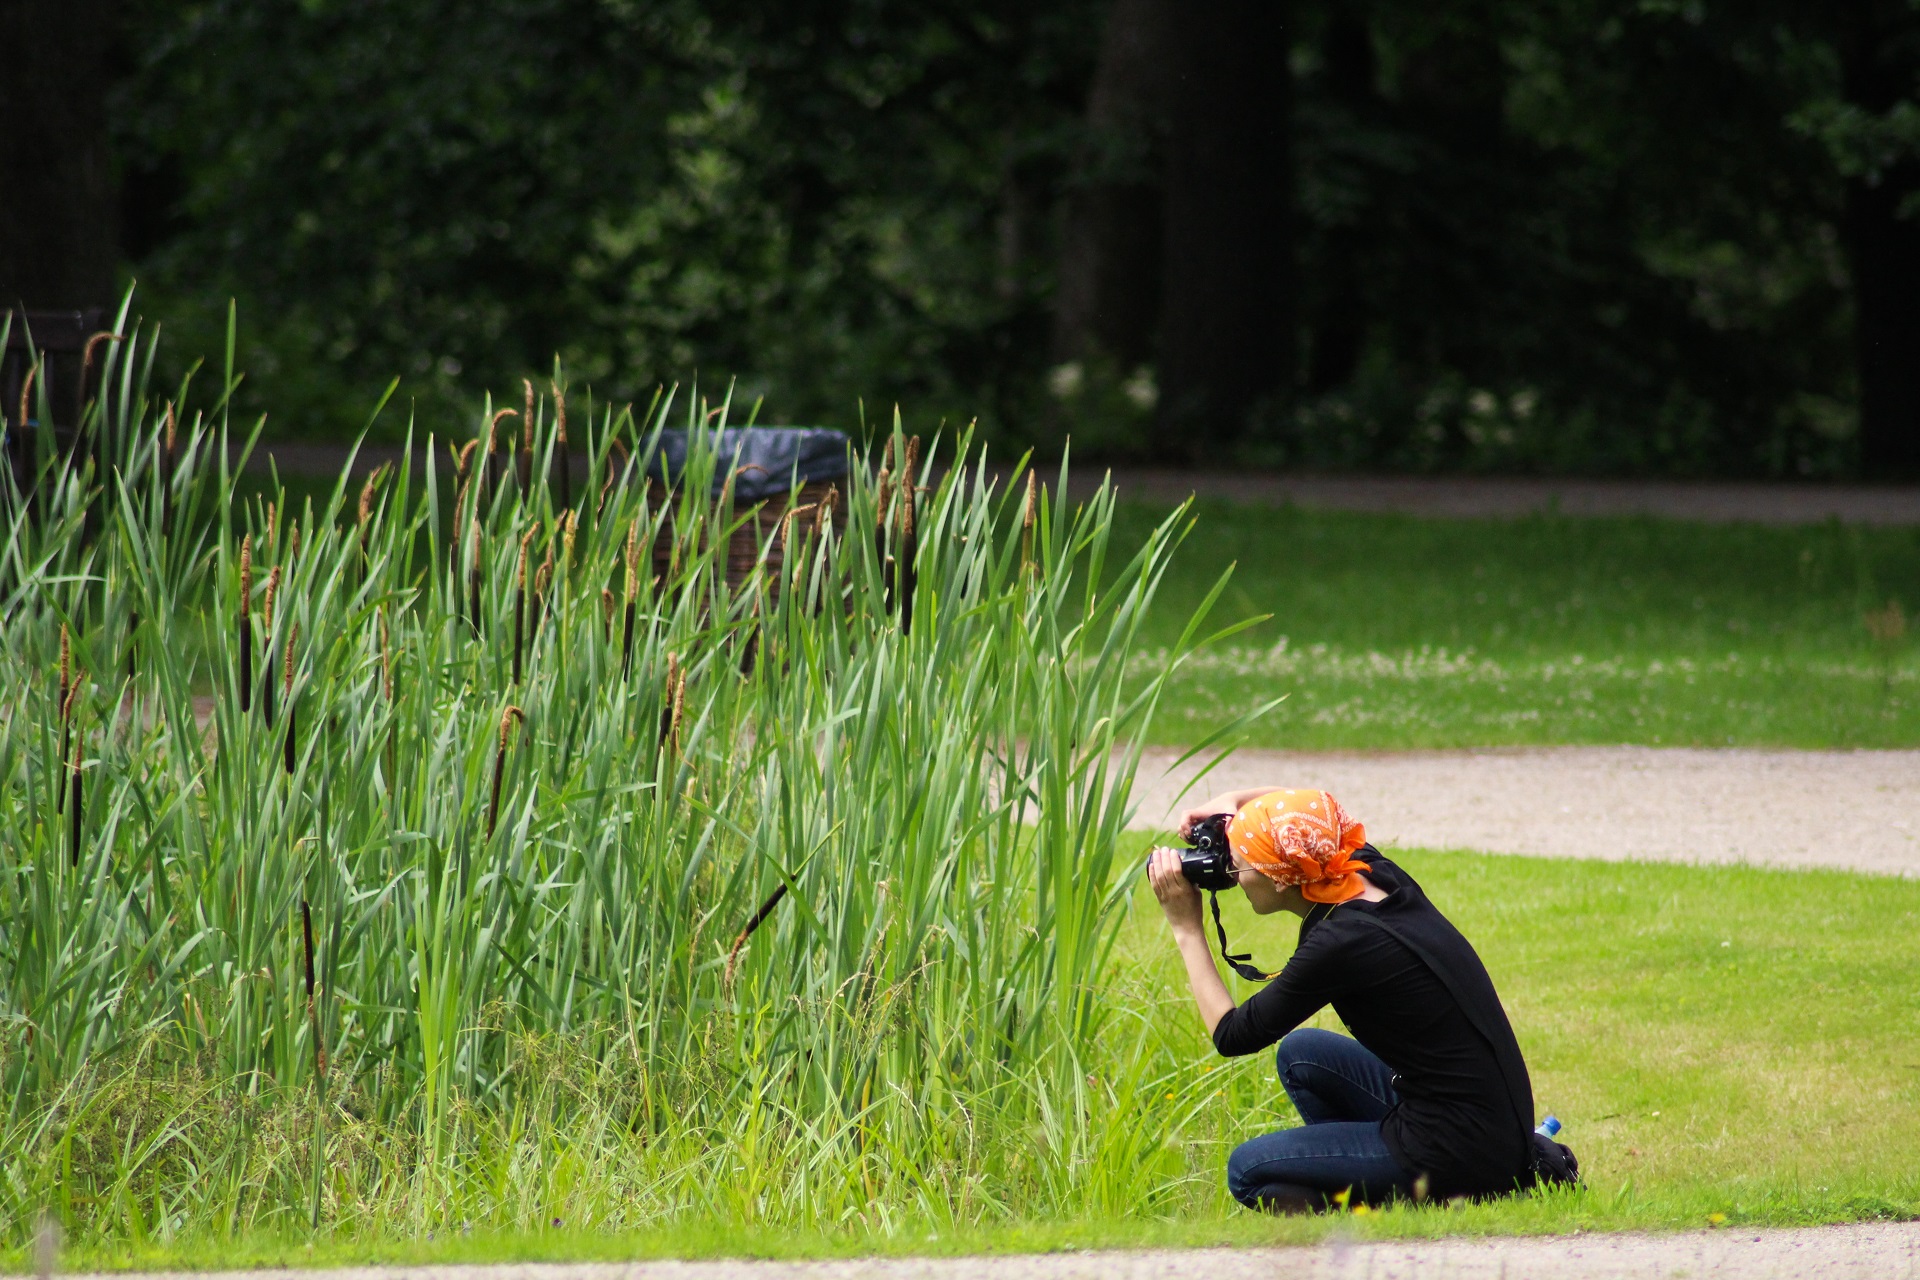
(824, 861)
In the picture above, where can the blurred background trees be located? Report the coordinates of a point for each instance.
(1673, 237)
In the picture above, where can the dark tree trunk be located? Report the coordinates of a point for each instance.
(56, 185)
(1107, 301)
(1880, 56)
(1227, 314)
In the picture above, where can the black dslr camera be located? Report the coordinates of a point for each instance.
(1209, 863)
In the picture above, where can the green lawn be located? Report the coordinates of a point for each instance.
(1393, 632)
(1402, 632)
(1729, 1045)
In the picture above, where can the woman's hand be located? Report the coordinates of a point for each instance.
(1226, 802)
(1178, 898)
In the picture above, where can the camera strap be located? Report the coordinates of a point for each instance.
(1241, 962)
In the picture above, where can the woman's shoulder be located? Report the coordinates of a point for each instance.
(1384, 871)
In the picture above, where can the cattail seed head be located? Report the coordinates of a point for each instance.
(672, 699)
(266, 611)
(93, 344)
(520, 570)
(493, 443)
(246, 571)
(273, 523)
(465, 459)
(286, 671)
(26, 394)
(526, 419)
(293, 542)
(72, 696)
(507, 718)
(66, 668)
(1033, 484)
(365, 510)
(911, 470)
(173, 427)
(560, 417)
(633, 559)
(569, 526)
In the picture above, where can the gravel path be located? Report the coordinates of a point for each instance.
(1829, 809)
(1867, 1251)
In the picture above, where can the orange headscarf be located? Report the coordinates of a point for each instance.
(1304, 838)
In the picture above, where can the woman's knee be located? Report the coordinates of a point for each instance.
(1241, 1182)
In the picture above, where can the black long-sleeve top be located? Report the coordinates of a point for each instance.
(1463, 1116)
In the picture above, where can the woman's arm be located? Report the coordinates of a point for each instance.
(1181, 902)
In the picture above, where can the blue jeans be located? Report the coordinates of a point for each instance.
(1342, 1092)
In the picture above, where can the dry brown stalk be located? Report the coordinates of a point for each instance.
(754, 922)
(26, 394)
(65, 708)
(542, 579)
(86, 361)
(266, 627)
(560, 445)
(286, 693)
(673, 697)
(246, 622)
(86, 356)
(266, 609)
(493, 443)
(75, 806)
(313, 1013)
(473, 577)
(365, 510)
(633, 589)
(1026, 521)
(507, 717)
(520, 601)
(909, 540)
(633, 558)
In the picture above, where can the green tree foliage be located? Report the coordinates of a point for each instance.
(1560, 236)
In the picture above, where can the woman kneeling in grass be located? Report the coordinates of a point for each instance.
(1431, 1096)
